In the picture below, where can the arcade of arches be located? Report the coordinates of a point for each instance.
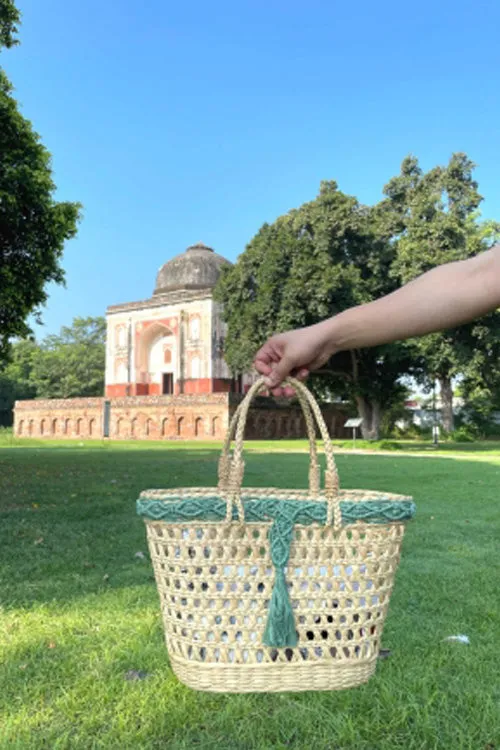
(163, 418)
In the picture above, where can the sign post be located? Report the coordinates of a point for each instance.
(354, 424)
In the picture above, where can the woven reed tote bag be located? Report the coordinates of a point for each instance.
(267, 590)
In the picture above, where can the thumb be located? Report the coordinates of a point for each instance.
(279, 372)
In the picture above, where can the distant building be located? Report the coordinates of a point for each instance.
(166, 376)
(172, 343)
(423, 414)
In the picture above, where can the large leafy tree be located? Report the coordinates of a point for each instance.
(61, 366)
(313, 262)
(71, 363)
(432, 218)
(33, 225)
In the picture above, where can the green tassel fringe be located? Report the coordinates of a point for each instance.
(280, 627)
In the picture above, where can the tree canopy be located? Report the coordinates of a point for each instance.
(33, 225)
(333, 253)
(10, 18)
(65, 365)
(433, 219)
(316, 261)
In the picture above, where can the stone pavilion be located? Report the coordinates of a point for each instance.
(166, 377)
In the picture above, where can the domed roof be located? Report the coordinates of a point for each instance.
(197, 268)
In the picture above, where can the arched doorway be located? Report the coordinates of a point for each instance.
(157, 353)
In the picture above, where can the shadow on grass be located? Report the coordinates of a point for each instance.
(68, 526)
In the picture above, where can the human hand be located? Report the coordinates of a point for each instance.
(294, 353)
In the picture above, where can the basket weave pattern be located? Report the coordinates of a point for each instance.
(272, 589)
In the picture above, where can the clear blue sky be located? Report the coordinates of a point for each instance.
(174, 123)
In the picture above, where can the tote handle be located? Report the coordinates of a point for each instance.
(231, 469)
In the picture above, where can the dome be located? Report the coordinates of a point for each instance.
(197, 268)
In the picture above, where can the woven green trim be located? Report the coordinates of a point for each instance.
(284, 514)
(258, 510)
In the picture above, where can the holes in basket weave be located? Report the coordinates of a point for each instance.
(337, 600)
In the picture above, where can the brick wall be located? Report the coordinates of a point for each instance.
(71, 418)
(170, 418)
(183, 417)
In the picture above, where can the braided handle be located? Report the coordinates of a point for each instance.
(231, 470)
(314, 469)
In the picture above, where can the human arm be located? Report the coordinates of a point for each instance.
(445, 297)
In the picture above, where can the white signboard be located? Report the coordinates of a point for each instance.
(353, 423)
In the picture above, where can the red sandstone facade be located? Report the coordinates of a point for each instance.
(188, 417)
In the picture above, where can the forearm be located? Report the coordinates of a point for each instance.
(445, 297)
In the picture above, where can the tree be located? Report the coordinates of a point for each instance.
(313, 262)
(15, 381)
(433, 218)
(480, 384)
(33, 226)
(72, 363)
(9, 22)
(63, 366)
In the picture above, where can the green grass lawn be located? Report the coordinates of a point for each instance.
(78, 609)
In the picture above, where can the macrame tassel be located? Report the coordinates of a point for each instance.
(280, 627)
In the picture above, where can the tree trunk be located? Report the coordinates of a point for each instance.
(371, 414)
(369, 411)
(447, 415)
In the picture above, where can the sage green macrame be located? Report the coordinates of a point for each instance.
(283, 514)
